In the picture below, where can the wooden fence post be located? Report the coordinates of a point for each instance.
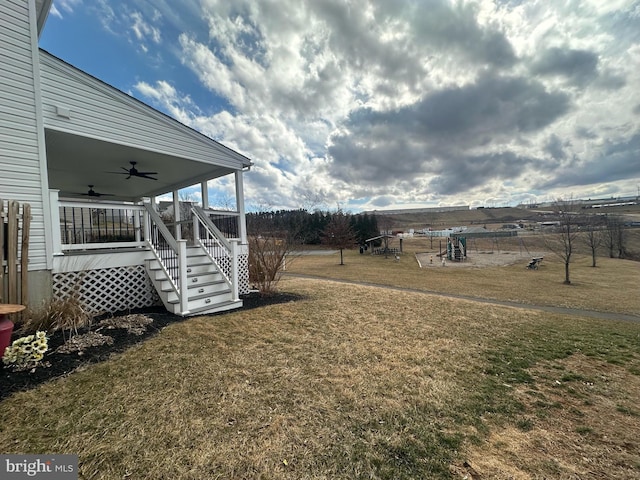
(1, 250)
(24, 254)
(13, 290)
(12, 251)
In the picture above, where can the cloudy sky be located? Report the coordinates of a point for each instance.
(384, 103)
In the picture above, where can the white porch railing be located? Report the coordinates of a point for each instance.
(110, 227)
(222, 252)
(170, 253)
(92, 226)
(86, 225)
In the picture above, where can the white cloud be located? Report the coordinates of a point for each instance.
(67, 6)
(391, 102)
(143, 30)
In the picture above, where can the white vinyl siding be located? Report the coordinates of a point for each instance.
(102, 112)
(20, 174)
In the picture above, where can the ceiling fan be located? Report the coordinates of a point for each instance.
(134, 172)
(93, 193)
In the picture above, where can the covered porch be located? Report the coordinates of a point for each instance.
(108, 158)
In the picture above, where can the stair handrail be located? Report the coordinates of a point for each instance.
(155, 219)
(230, 249)
(216, 236)
(204, 218)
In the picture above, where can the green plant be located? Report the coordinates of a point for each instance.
(26, 351)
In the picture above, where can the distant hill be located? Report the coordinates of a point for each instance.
(477, 216)
(491, 217)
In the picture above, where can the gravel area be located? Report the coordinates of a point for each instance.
(479, 259)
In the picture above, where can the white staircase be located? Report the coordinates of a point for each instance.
(207, 290)
(188, 278)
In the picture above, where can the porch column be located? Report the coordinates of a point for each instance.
(176, 214)
(55, 222)
(242, 221)
(136, 225)
(204, 188)
(147, 220)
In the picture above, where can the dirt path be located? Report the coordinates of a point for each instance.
(528, 306)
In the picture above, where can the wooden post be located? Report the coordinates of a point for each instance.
(2, 240)
(24, 254)
(12, 252)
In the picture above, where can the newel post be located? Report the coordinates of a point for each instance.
(146, 227)
(184, 281)
(234, 269)
(196, 227)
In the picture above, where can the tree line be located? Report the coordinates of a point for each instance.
(274, 235)
(596, 231)
(301, 227)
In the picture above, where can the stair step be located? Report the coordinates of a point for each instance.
(206, 302)
(212, 288)
(207, 289)
(221, 307)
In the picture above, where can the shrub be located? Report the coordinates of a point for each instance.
(67, 314)
(266, 262)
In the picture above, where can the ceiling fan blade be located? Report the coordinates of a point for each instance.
(94, 194)
(134, 172)
(144, 175)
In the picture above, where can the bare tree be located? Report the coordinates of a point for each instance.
(385, 224)
(268, 251)
(621, 234)
(593, 236)
(615, 237)
(339, 234)
(563, 242)
(266, 262)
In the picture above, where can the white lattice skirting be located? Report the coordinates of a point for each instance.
(243, 271)
(243, 274)
(107, 290)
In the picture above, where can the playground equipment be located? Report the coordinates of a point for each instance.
(457, 248)
(534, 263)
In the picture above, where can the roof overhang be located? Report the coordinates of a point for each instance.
(74, 162)
(42, 12)
(94, 131)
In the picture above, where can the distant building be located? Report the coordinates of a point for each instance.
(453, 208)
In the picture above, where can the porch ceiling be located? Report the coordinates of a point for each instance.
(75, 162)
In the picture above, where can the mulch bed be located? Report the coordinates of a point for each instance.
(92, 348)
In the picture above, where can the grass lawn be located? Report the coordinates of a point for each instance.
(360, 382)
(612, 286)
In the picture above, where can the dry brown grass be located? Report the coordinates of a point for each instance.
(608, 287)
(581, 420)
(323, 388)
(351, 382)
